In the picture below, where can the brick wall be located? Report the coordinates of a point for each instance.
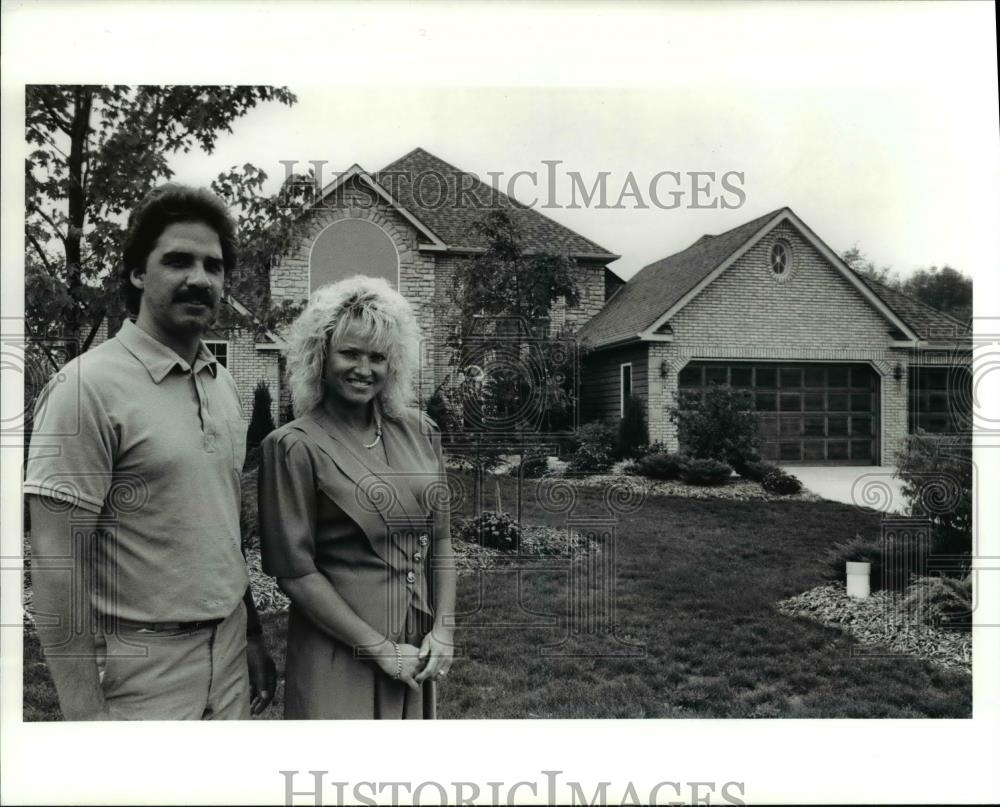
(250, 366)
(813, 315)
(426, 278)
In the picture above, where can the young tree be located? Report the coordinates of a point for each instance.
(514, 376)
(95, 152)
(505, 298)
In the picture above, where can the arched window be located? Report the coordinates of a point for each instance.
(352, 247)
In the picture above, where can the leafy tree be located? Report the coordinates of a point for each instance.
(946, 289)
(268, 228)
(95, 152)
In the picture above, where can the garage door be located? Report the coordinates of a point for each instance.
(809, 413)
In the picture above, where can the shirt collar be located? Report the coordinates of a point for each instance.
(158, 359)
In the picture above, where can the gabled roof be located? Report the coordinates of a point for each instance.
(642, 308)
(927, 321)
(448, 201)
(364, 178)
(659, 286)
(645, 304)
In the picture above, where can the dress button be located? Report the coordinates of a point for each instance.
(411, 577)
(417, 557)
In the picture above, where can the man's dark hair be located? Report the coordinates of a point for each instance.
(168, 204)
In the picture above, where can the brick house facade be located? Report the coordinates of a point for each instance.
(833, 360)
(387, 224)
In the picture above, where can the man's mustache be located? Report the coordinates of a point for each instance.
(203, 297)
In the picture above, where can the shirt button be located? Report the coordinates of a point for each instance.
(417, 557)
(423, 539)
(411, 577)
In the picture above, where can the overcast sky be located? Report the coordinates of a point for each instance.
(877, 124)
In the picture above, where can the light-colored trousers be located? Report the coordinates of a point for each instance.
(177, 675)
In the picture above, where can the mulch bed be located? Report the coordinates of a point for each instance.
(537, 542)
(737, 488)
(880, 620)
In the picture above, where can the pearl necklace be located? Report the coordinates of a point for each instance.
(378, 434)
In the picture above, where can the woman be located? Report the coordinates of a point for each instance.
(348, 522)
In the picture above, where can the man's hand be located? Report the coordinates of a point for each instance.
(263, 675)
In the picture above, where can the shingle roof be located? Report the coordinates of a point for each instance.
(658, 286)
(450, 214)
(926, 321)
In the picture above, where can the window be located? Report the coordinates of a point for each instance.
(626, 385)
(940, 399)
(781, 259)
(351, 247)
(220, 350)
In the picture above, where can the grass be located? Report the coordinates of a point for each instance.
(695, 586)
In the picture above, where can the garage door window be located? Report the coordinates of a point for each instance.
(807, 412)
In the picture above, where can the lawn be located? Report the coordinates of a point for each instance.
(695, 587)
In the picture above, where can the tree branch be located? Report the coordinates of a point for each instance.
(40, 343)
(62, 125)
(48, 220)
(41, 254)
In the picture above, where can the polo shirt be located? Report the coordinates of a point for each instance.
(130, 431)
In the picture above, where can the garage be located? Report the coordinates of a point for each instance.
(809, 413)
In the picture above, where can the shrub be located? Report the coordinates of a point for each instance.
(595, 448)
(632, 431)
(744, 466)
(722, 427)
(661, 465)
(869, 550)
(705, 472)
(491, 529)
(937, 480)
(755, 471)
(625, 467)
(534, 464)
(941, 601)
(777, 481)
(439, 410)
(261, 422)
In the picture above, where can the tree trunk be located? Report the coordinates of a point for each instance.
(77, 211)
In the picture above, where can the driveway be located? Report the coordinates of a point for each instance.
(864, 485)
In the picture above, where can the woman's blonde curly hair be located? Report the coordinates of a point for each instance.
(387, 318)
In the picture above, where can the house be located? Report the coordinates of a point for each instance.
(410, 223)
(840, 367)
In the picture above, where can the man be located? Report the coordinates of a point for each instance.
(140, 587)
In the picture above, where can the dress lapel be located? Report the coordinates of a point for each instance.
(377, 489)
